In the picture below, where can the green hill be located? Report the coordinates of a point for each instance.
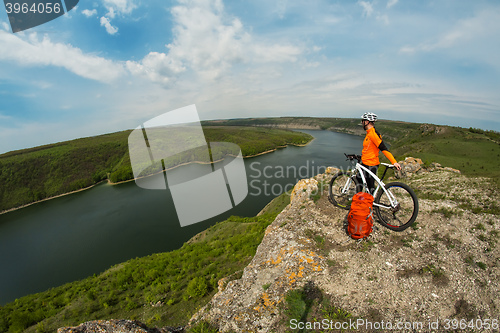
(474, 152)
(38, 173)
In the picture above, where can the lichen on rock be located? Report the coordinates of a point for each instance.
(421, 274)
(446, 266)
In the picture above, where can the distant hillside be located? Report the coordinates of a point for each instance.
(34, 174)
(392, 130)
(473, 151)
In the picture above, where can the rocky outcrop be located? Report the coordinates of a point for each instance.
(285, 259)
(446, 266)
(437, 270)
(117, 326)
(414, 166)
(427, 129)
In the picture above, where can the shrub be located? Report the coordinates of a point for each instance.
(197, 287)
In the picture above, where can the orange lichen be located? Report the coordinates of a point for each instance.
(270, 229)
(266, 299)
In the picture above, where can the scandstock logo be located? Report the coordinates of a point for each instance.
(176, 138)
(26, 14)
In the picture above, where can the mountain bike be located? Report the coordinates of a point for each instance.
(395, 204)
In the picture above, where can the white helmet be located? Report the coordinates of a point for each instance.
(369, 116)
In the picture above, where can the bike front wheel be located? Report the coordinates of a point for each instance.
(400, 216)
(341, 190)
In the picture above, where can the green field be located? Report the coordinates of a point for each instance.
(34, 174)
(474, 152)
(163, 289)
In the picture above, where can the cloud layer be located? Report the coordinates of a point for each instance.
(208, 41)
(426, 62)
(36, 51)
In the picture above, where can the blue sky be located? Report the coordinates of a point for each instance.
(110, 65)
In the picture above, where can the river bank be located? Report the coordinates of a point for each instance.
(51, 198)
(213, 162)
(34, 174)
(108, 181)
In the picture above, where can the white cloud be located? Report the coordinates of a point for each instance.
(89, 13)
(207, 41)
(120, 6)
(5, 117)
(5, 26)
(472, 37)
(115, 7)
(383, 18)
(109, 28)
(44, 52)
(275, 53)
(484, 24)
(367, 8)
(391, 3)
(157, 67)
(42, 84)
(111, 13)
(281, 8)
(407, 49)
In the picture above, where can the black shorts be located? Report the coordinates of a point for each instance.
(370, 181)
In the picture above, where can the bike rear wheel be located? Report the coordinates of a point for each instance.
(404, 214)
(339, 194)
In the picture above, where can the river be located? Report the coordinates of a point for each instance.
(74, 236)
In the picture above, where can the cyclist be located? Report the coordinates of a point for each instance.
(372, 145)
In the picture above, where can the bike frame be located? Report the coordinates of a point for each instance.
(380, 184)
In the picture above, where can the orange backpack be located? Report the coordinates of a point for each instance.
(360, 217)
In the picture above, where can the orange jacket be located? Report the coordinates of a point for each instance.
(372, 145)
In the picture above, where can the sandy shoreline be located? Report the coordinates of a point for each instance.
(50, 198)
(133, 179)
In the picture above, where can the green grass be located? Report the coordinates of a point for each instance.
(277, 204)
(474, 154)
(308, 305)
(447, 212)
(177, 282)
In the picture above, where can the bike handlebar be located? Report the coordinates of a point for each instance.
(351, 157)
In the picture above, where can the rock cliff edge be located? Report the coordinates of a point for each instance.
(446, 266)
